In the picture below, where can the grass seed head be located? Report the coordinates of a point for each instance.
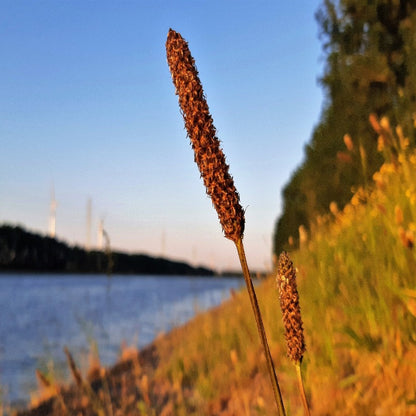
(43, 380)
(209, 156)
(73, 367)
(289, 303)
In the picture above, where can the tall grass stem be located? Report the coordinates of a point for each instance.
(302, 389)
(260, 327)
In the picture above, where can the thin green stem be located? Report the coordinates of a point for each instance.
(302, 390)
(260, 327)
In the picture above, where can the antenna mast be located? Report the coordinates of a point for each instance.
(101, 235)
(52, 215)
(88, 243)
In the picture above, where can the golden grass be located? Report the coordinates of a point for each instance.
(357, 287)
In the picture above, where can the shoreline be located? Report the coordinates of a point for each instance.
(145, 358)
(227, 275)
(119, 381)
(169, 321)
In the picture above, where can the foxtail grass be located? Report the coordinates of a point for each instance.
(289, 304)
(49, 390)
(214, 171)
(292, 319)
(202, 133)
(85, 387)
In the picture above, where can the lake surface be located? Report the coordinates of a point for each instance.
(40, 314)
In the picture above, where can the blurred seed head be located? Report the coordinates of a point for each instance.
(289, 304)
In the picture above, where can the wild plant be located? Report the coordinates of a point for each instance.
(85, 388)
(49, 388)
(214, 171)
(292, 319)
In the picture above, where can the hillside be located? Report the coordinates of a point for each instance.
(21, 250)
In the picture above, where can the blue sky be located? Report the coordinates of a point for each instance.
(87, 106)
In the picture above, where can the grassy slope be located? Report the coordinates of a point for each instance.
(357, 286)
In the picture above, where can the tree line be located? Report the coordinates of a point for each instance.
(21, 250)
(370, 69)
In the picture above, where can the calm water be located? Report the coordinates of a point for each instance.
(40, 314)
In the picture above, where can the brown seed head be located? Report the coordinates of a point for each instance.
(289, 303)
(43, 380)
(200, 127)
(73, 367)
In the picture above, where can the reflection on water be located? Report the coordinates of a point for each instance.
(40, 314)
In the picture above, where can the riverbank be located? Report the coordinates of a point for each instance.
(158, 380)
(43, 314)
(214, 365)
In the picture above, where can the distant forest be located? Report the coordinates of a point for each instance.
(21, 250)
(370, 72)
